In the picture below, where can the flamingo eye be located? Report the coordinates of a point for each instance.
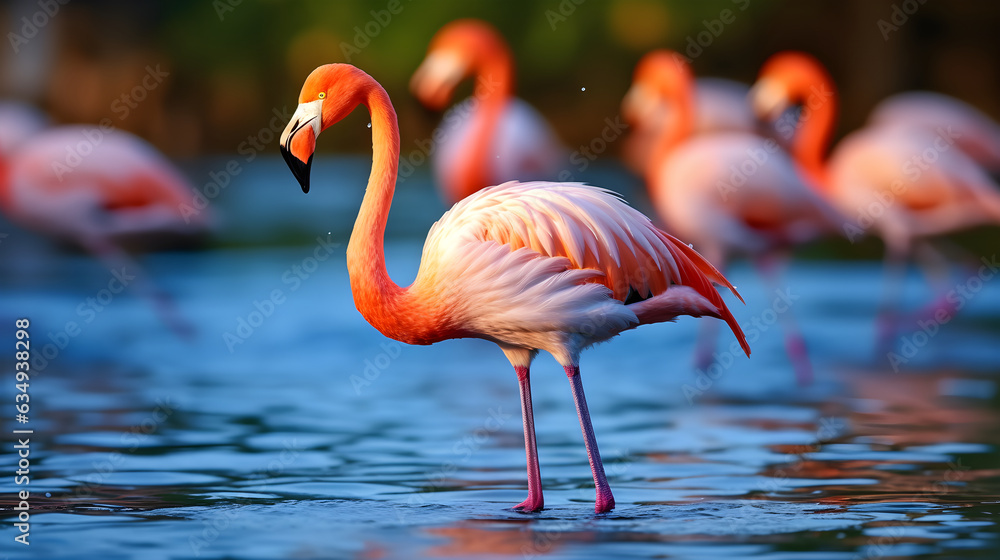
(322, 94)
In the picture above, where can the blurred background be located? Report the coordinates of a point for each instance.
(230, 65)
(309, 435)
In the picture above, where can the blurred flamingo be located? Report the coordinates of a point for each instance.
(720, 105)
(493, 136)
(728, 192)
(907, 184)
(101, 189)
(975, 133)
(18, 122)
(530, 266)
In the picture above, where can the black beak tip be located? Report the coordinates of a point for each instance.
(299, 170)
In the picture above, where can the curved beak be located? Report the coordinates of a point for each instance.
(769, 99)
(640, 106)
(436, 78)
(298, 140)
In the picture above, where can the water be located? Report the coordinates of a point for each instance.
(309, 435)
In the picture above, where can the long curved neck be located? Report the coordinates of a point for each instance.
(674, 131)
(375, 294)
(809, 147)
(493, 89)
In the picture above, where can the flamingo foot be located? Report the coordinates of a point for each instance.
(531, 505)
(605, 501)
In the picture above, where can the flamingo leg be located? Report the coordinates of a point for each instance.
(605, 501)
(936, 268)
(708, 331)
(114, 257)
(769, 266)
(534, 502)
(896, 258)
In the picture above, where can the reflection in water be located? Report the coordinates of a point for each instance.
(150, 446)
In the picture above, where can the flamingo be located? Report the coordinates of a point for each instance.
(529, 266)
(977, 134)
(728, 192)
(491, 137)
(100, 188)
(720, 105)
(910, 184)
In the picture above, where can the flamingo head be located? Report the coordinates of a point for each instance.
(459, 50)
(329, 94)
(786, 79)
(662, 82)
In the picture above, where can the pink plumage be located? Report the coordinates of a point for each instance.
(530, 266)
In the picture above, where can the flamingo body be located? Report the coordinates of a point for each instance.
(703, 191)
(976, 133)
(927, 184)
(530, 266)
(523, 146)
(81, 182)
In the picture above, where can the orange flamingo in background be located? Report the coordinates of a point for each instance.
(101, 189)
(728, 192)
(493, 136)
(530, 266)
(720, 105)
(908, 183)
(976, 133)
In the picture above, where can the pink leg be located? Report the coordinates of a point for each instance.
(605, 501)
(115, 258)
(708, 336)
(795, 343)
(887, 322)
(535, 501)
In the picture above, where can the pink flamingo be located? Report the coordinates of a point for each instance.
(530, 266)
(976, 134)
(906, 184)
(101, 189)
(729, 193)
(720, 105)
(491, 137)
